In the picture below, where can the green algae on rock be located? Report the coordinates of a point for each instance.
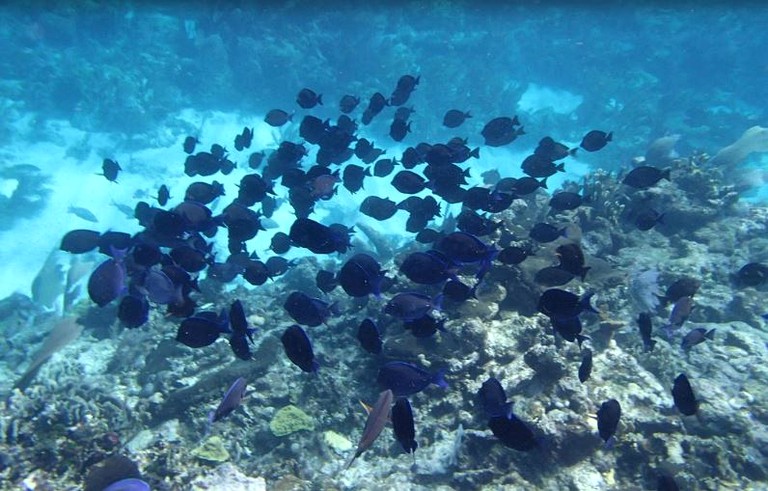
(290, 419)
(212, 451)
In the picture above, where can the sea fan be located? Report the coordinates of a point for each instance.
(644, 289)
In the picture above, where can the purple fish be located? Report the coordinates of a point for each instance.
(404, 379)
(130, 484)
(231, 400)
(107, 282)
(412, 305)
(160, 288)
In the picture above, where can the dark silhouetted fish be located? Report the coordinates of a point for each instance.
(80, 241)
(384, 167)
(645, 176)
(375, 105)
(552, 150)
(572, 259)
(404, 113)
(513, 255)
(255, 273)
(244, 139)
(377, 420)
(133, 311)
(473, 223)
(110, 168)
(428, 268)
(476, 198)
(411, 305)
(680, 313)
(696, 336)
(277, 266)
(585, 369)
(428, 236)
(308, 98)
(646, 328)
(501, 131)
(493, 399)
(348, 103)
(666, 482)
(513, 432)
(163, 195)
(425, 326)
(277, 118)
(202, 329)
(353, 177)
(751, 274)
(566, 200)
(306, 310)
(242, 335)
(682, 393)
(107, 281)
(378, 208)
(408, 182)
(569, 328)
(280, 243)
(553, 276)
(405, 379)
(319, 238)
(457, 291)
(189, 144)
(232, 398)
(538, 166)
(464, 248)
(454, 118)
(298, 348)
(252, 189)
(326, 281)
(684, 287)
(527, 185)
(403, 426)
(561, 303)
(399, 129)
(255, 159)
(595, 140)
(369, 336)
(608, 417)
(544, 233)
(405, 85)
(647, 219)
(203, 192)
(360, 276)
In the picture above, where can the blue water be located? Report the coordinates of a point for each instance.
(130, 81)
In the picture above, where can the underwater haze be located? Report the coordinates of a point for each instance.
(284, 245)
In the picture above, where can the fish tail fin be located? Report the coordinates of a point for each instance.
(560, 167)
(583, 273)
(438, 301)
(586, 302)
(572, 152)
(543, 183)
(320, 99)
(506, 409)
(665, 174)
(710, 334)
(580, 338)
(439, 379)
(609, 136)
(476, 152)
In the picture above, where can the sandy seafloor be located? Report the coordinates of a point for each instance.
(155, 395)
